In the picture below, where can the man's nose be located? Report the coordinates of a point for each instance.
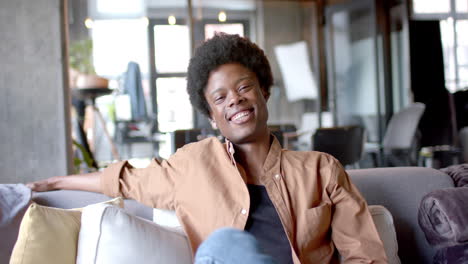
(235, 99)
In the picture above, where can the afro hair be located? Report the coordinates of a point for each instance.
(223, 49)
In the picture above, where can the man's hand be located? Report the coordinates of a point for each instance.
(90, 182)
(43, 185)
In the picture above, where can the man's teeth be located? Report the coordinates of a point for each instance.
(240, 115)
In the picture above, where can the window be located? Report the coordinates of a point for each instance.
(453, 16)
(431, 6)
(172, 48)
(118, 41)
(171, 57)
(455, 46)
(234, 28)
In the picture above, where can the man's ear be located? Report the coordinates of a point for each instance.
(213, 124)
(266, 94)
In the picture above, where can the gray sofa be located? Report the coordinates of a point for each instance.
(398, 189)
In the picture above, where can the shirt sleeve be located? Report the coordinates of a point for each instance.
(353, 230)
(153, 186)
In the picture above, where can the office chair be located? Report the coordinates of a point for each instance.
(345, 143)
(181, 137)
(281, 131)
(400, 141)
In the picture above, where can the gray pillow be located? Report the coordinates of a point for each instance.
(14, 200)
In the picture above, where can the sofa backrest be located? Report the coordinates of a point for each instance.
(76, 199)
(400, 190)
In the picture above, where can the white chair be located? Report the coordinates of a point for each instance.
(399, 143)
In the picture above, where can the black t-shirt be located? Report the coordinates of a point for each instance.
(265, 224)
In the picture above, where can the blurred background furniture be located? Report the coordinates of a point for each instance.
(464, 143)
(181, 137)
(281, 133)
(132, 121)
(344, 143)
(93, 116)
(301, 139)
(400, 146)
(440, 156)
(129, 132)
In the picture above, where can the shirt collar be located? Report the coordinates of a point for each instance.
(271, 162)
(230, 150)
(273, 159)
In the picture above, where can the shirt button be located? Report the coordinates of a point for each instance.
(277, 176)
(244, 211)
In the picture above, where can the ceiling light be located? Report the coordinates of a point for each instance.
(222, 16)
(171, 20)
(88, 23)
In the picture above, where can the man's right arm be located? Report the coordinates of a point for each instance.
(153, 185)
(90, 182)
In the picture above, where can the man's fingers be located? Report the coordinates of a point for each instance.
(37, 186)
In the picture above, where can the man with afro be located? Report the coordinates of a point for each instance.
(259, 202)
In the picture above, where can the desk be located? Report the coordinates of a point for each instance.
(88, 94)
(439, 156)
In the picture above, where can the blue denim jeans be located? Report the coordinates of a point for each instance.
(229, 246)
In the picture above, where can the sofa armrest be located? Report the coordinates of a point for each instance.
(400, 190)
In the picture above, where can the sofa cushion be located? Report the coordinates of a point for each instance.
(382, 218)
(67, 199)
(166, 218)
(443, 216)
(459, 174)
(111, 235)
(452, 255)
(49, 235)
(383, 221)
(400, 190)
(14, 200)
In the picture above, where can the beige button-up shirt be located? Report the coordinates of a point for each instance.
(319, 207)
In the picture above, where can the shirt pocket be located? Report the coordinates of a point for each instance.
(315, 235)
(317, 224)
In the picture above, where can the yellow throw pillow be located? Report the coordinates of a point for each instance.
(49, 235)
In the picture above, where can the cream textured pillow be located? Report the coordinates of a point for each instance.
(111, 235)
(383, 221)
(49, 235)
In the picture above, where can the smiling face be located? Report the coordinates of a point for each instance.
(237, 103)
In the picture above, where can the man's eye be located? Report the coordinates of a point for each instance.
(219, 99)
(244, 87)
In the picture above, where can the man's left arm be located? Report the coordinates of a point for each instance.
(353, 230)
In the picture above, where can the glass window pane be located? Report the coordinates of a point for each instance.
(446, 27)
(462, 6)
(235, 28)
(172, 48)
(431, 6)
(451, 85)
(462, 30)
(462, 54)
(174, 108)
(354, 70)
(463, 75)
(117, 42)
(112, 9)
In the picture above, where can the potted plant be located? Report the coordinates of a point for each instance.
(82, 73)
